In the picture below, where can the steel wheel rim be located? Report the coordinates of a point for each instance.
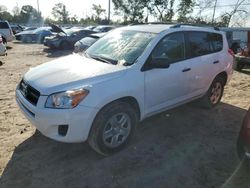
(116, 130)
(216, 93)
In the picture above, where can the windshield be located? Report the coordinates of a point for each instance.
(121, 46)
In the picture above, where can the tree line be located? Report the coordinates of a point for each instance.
(139, 11)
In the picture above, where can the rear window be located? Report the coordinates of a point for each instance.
(4, 25)
(202, 43)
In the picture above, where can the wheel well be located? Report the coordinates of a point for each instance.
(130, 100)
(223, 75)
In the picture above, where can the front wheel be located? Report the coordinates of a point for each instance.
(214, 93)
(113, 128)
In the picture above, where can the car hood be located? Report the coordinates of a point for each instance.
(56, 29)
(71, 72)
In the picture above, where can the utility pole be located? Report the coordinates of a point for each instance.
(215, 4)
(38, 6)
(109, 12)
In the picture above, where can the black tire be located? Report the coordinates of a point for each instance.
(4, 41)
(208, 100)
(64, 45)
(103, 121)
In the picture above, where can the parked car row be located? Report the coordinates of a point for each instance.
(78, 38)
(65, 39)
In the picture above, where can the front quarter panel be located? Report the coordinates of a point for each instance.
(130, 84)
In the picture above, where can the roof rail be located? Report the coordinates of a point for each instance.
(195, 25)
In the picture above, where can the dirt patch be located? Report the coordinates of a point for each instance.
(185, 147)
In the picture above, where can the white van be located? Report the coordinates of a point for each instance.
(128, 75)
(6, 32)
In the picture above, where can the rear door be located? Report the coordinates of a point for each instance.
(203, 49)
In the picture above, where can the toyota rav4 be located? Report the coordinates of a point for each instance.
(128, 75)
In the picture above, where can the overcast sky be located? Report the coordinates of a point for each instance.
(83, 8)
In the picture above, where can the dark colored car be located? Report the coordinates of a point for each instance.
(65, 39)
(243, 144)
(36, 36)
(16, 29)
(86, 42)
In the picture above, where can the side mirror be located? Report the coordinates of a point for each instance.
(161, 63)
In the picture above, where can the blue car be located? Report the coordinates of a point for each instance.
(34, 36)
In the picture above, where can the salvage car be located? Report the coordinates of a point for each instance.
(126, 76)
(34, 36)
(65, 39)
(243, 58)
(243, 143)
(86, 42)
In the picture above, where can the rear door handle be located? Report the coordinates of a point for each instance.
(187, 69)
(215, 62)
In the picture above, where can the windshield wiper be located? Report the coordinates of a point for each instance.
(103, 59)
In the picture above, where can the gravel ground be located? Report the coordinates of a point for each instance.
(185, 147)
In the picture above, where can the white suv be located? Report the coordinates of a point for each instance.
(6, 31)
(131, 73)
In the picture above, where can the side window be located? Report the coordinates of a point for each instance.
(4, 25)
(202, 43)
(199, 44)
(171, 48)
(217, 41)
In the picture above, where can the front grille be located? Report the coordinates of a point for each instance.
(31, 94)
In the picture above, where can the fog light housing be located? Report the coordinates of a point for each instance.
(62, 130)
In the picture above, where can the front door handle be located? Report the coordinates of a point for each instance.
(186, 69)
(215, 62)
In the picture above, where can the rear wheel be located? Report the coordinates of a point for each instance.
(214, 93)
(113, 128)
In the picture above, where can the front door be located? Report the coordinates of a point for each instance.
(165, 86)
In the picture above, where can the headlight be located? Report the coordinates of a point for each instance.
(67, 99)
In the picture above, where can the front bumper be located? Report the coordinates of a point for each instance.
(47, 121)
